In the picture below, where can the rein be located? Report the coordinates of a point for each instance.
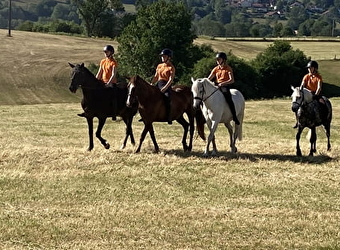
(201, 98)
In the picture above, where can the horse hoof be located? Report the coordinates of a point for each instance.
(107, 146)
(122, 147)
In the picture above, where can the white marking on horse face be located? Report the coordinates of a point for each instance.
(128, 100)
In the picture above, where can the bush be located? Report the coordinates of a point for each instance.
(26, 26)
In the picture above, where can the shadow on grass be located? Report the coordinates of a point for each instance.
(330, 90)
(224, 155)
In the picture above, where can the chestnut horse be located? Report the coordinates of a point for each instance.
(152, 109)
(97, 102)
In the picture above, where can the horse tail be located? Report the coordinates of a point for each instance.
(239, 131)
(240, 117)
(200, 122)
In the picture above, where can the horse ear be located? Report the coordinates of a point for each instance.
(292, 87)
(82, 65)
(71, 65)
(192, 79)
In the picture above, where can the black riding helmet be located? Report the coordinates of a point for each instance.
(109, 48)
(167, 52)
(221, 55)
(313, 64)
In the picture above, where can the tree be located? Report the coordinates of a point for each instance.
(90, 11)
(157, 26)
(279, 66)
(208, 27)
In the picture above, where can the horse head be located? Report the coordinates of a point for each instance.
(300, 97)
(80, 76)
(198, 91)
(75, 76)
(131, 98)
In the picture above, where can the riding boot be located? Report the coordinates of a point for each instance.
(232, 107)
(83, 114)
(168, 109)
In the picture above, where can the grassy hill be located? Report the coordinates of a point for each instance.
(34, 66)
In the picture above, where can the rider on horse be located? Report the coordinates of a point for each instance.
(223, 75)
(164, 77)
(107, 73)
(313, 82)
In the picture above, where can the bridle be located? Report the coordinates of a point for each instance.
(201, 99)
(302, 97)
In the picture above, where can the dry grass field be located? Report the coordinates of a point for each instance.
(34, 67)
(57, 195)
(248, 49)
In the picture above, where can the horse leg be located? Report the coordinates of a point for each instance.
(211, 138)
(153, 138)
(99, 131)
(90, 131)
(328, 134)
(142, 137)
(128, 132)
(298, 135)
(312, 142)
(206, 151)
(185, 126)
(232, 137)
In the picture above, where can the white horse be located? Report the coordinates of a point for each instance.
(216, 110)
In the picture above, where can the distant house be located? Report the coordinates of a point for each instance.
(296, 4)
(259, 8)
(274, 14)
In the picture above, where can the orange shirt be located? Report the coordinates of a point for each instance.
(311, 81)
(164, 71)
(107, 65)
(222, 73)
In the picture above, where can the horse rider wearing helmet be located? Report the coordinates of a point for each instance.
(164, 77)
(224, 77)
(313, 82)
(107, 73)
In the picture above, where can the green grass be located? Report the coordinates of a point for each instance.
(56, 195)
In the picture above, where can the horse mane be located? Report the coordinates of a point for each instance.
(81, 66)
(206, 79)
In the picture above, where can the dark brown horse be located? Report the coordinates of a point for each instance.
(152, 109)
(97, 102)
(310, 114)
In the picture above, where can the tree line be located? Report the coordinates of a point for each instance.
(168, 24)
